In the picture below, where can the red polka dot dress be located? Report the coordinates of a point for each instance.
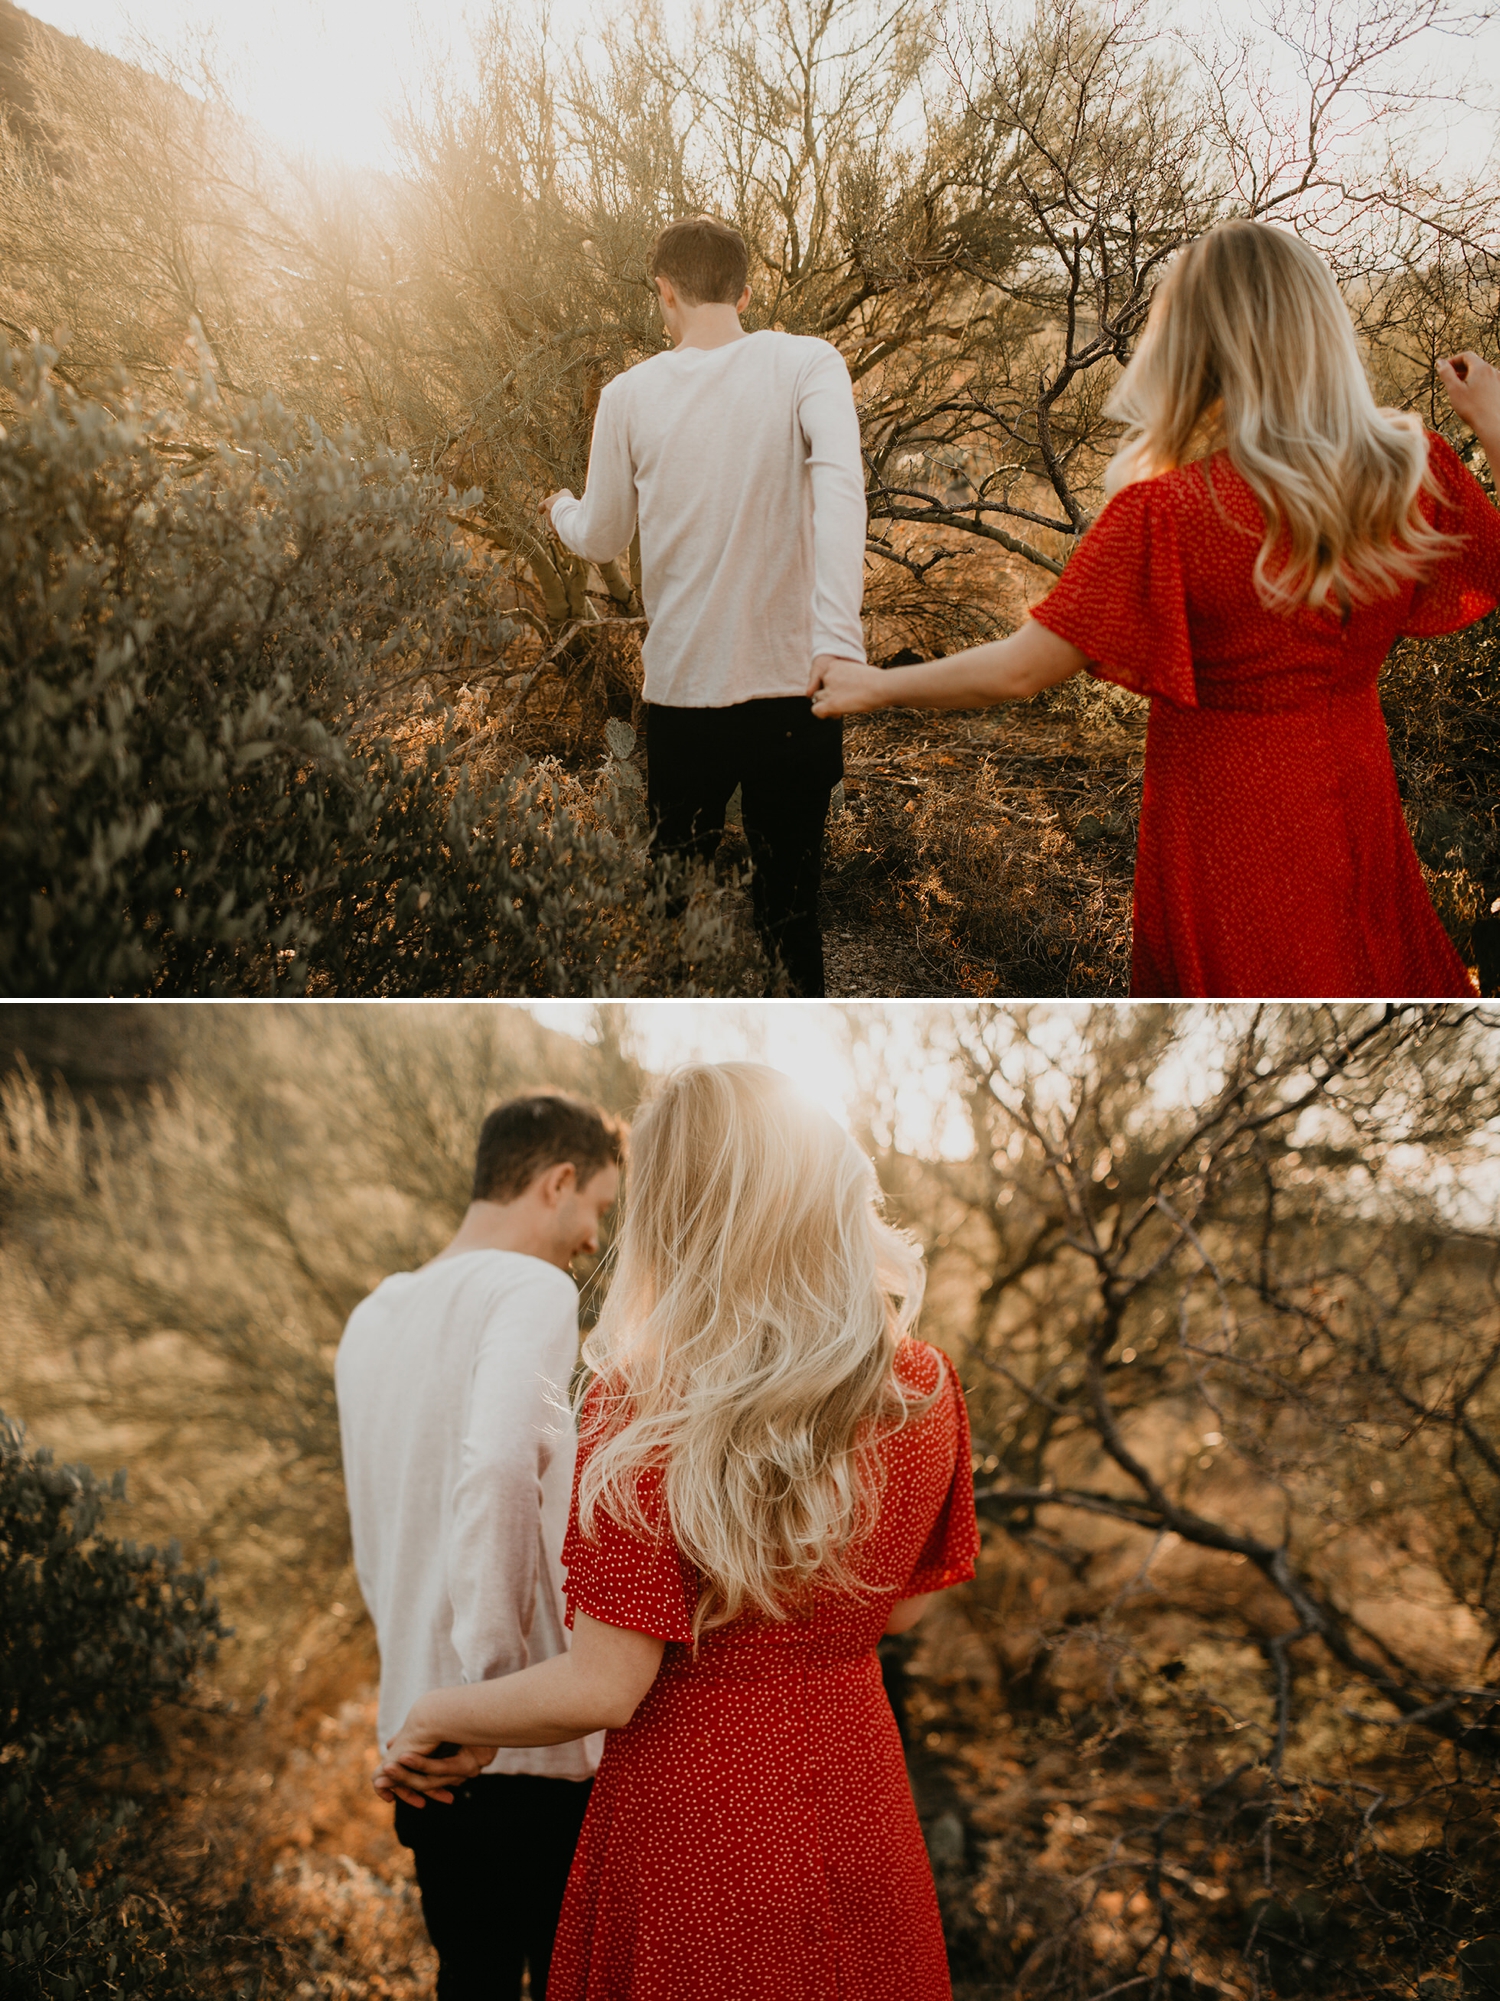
(751, 1835)
(1273, 857)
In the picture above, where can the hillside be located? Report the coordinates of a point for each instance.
(16, 29)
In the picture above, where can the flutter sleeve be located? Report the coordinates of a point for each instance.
(622, 1578)
(1122, 599)
(1466, 585)
(953, 1541)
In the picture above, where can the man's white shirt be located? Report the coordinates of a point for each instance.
(742, 465)
(458, 1460)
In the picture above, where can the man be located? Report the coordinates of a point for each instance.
(738, 456)
(458, 1459)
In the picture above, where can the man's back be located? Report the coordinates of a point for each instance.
(725, 454)
(458, 1461)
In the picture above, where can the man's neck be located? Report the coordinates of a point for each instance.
(710, 326)
(496, 1226)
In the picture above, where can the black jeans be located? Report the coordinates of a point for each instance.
(785, 761)
(492, 1868)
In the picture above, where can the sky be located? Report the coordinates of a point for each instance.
(319, 74)
(834, 1050)
(811, 1042)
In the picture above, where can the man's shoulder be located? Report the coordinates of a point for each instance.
(477, 1283)
(640, 375)
(810, 351)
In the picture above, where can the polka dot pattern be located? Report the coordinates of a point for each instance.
(751, 1832)
(1273, 859)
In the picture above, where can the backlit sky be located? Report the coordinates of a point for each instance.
(319, 74)
(808, 1040)
(811, 1042)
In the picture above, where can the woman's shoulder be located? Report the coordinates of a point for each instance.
(1210, 486)
(1185, 504)
(1446, 469)
(921, 1368)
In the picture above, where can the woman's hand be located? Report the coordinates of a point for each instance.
(845, 687)
(596, 1685)
(1473, 388)
(1003, 670)
(420, 1765)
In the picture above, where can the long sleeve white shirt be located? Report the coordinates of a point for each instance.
(742, 466)
(458, 1462)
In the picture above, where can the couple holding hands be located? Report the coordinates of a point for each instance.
(1268, 534)
(762, 1474)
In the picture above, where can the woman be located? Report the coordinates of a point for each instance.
(771, 1474)
(1268, 536)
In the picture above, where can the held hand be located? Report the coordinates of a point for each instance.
(845, 687)
(419, 1764)
(1473, 388)
(544, 507)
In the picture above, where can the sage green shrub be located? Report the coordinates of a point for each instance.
(221, 772)
(96, 1637)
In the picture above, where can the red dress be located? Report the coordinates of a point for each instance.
(751, 1835)
(1273, 857)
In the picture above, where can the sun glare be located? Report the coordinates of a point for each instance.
(318, 79)
(322, 77)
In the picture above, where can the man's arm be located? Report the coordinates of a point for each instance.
(600, 525)
(516, 1413)
(830, 424)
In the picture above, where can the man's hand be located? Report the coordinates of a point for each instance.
(545, 506)
(1473, 388)
(845, 687)
(420, 1766)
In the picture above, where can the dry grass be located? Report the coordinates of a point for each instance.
(265, 1839)
(1003, 842)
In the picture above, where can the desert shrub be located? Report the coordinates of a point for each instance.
(96, 1636)
(215, 632)
(1442, 705)
(1222, 1286)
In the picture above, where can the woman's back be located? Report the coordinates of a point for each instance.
(1273, 858)
(760, 1790)
(1166, 582)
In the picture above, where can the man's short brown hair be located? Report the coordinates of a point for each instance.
(705, 261)
(525, 1136)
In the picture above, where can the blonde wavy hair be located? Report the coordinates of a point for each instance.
(748, 1342)
(1250, 349)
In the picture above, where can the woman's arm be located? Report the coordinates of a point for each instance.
(596, 1685)
(1473, 388)
(906, 1611)
(1006, 670)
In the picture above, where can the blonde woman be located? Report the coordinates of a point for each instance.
(772, 1473)
(1268, 536)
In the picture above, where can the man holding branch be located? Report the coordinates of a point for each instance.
(738, 456)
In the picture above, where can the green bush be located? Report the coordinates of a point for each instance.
(218, 776)
(95, 1637)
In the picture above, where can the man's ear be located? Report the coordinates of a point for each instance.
(665, 290)
(743, 300)
(556, 1182)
